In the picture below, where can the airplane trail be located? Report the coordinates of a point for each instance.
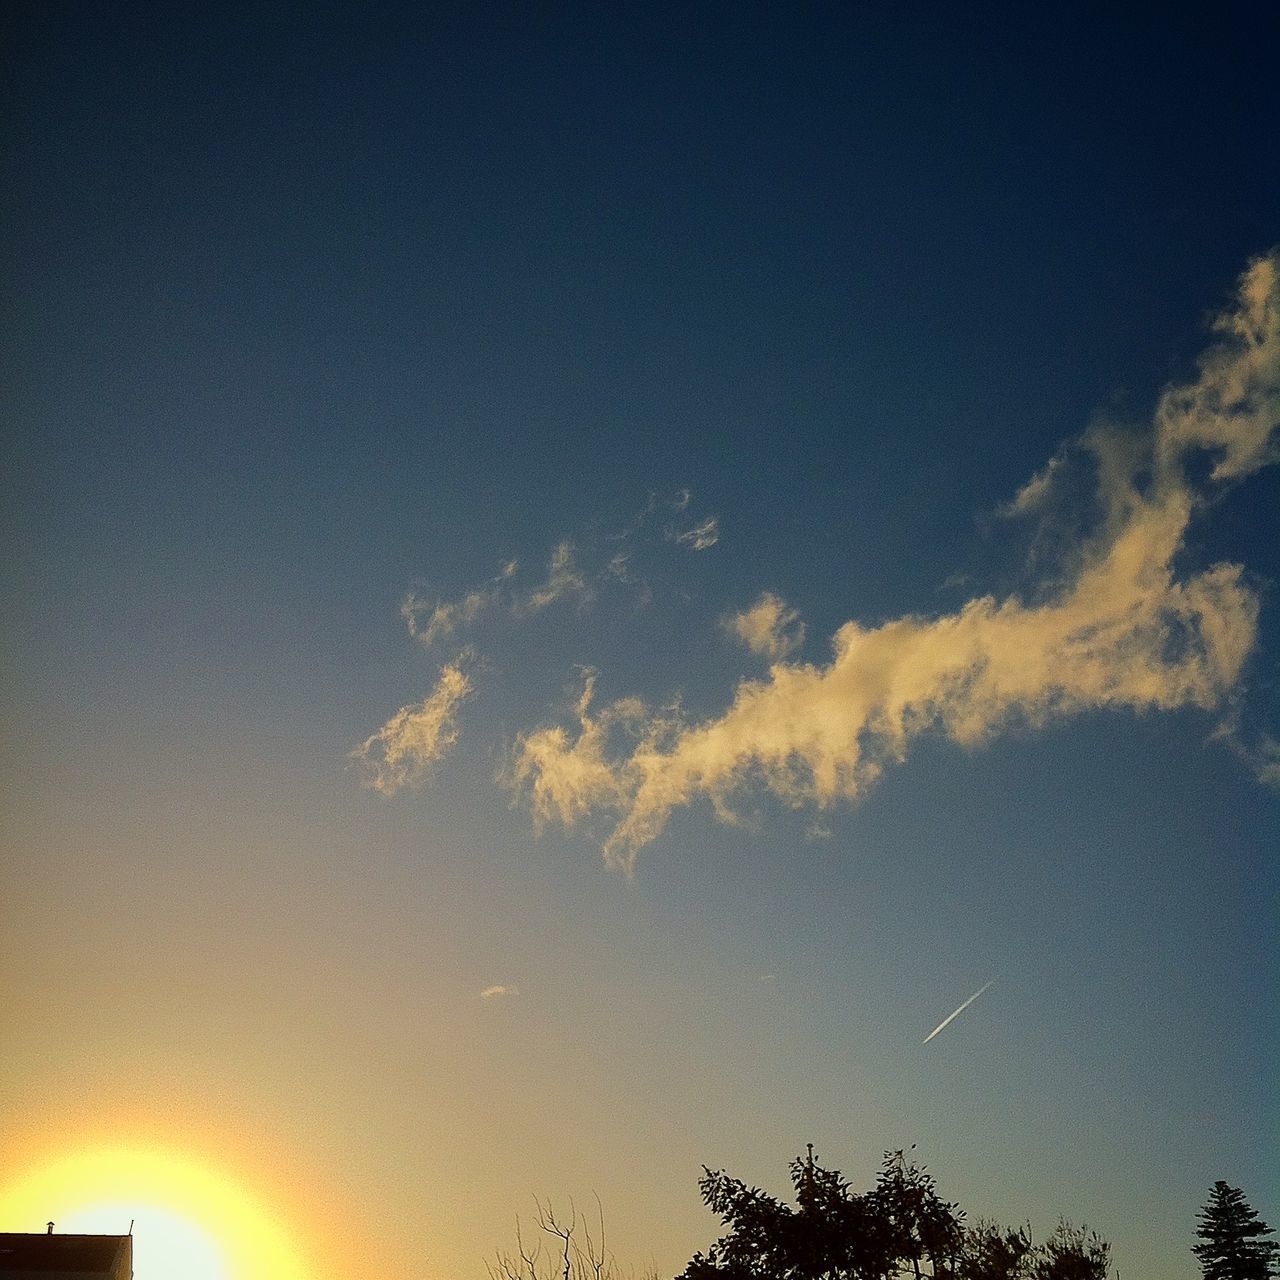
(951, 1017)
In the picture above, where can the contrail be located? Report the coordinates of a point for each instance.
(951, 1017)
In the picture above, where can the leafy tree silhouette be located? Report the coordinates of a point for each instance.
(1233, 1247)
(1072, 1253)
(993, 1252)
(900, 1228)
(923, 1226)
(833, 1233)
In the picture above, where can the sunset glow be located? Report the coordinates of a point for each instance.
(188, 1221)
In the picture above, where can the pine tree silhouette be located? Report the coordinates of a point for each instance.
(1232, 1232)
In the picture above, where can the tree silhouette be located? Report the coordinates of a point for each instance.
(1072, 1253)
(992, 1252)
(563, 1248)
(901, 1229)
(923, 1227)
(1233, 1247)
(833, 1233)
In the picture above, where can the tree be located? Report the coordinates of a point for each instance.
(992, 1252)
(901, 1229)
(1072, 1253)
(563, 1248)
(1233, 1247)
(922, 1226)
(830, 1232)
(833, 1232)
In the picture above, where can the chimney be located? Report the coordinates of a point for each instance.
(51, 1228)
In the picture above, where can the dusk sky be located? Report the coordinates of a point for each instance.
(580, 577)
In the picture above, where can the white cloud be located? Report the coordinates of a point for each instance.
(770, 627)
(499, 992)
(1118, 628)
(403, 752)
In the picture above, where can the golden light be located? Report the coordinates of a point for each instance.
(188, 1220)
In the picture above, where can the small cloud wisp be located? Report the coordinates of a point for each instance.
(432, 620)
(563, 579)
(704, 534)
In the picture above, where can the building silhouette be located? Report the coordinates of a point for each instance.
(65, 1257)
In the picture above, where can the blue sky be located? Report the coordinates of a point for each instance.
(322, 321)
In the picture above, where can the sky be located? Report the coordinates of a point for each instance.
(580, 577)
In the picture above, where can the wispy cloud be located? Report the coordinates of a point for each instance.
(1115, 627)
(1032, 494)
(1261, 755)
(403, 752)
(563, 579)
(576, 570)
(770, 627)
(499, 992)
(704, 534)
(951, 1017)
(1267, 765)
(432, 620)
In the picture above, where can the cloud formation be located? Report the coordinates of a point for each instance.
(1115, 627)
(498, 992)
(770, 627)
(403, 752)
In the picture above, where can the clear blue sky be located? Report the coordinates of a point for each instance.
(712, 321)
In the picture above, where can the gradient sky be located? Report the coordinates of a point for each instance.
(458, 358)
